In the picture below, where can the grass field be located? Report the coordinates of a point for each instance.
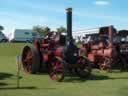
(98, 84)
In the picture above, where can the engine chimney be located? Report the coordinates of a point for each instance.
(69, 24)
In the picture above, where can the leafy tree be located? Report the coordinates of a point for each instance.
(42, 30)
(61, 29)
(1, 28)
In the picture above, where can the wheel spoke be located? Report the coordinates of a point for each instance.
(29, 67)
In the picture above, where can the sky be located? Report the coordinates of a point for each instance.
(24, 14)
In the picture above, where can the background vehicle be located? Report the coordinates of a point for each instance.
(22, 35)
(121, 43)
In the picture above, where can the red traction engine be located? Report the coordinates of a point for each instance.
(100, 51)
(57, 54)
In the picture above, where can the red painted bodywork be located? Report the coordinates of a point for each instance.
(58, 51)
(49, 47)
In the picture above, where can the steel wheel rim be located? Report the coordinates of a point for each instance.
(56, 70)
(27, 59)
(106, 64)
(84, 69)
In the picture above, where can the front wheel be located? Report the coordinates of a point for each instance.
(56, 69)
(106, 64)
(84, 67)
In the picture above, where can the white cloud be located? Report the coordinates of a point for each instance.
(102, 3)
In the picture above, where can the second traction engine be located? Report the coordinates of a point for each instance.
(100, 51)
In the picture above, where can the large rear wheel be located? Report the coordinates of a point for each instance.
(30, 59)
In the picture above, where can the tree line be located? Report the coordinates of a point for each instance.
(42, 30)
(1, 28)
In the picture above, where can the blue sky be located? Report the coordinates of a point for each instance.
(86, 13)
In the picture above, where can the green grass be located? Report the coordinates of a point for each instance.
(99, 84)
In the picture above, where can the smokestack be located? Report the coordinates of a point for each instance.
(69, 24)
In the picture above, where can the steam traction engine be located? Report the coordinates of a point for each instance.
(100, 50)
(56, 54)
(121, 43)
